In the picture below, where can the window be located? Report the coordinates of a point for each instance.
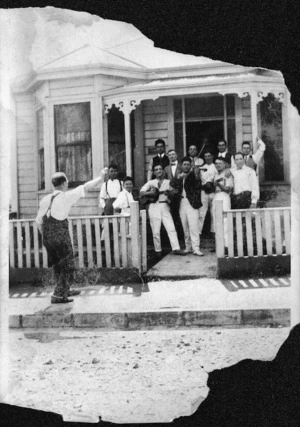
(204, 118)
(40, 144)
(116, 139)
(73, 141)
(271, 134)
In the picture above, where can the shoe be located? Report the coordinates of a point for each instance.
(187, 251)
(73, 292)
(198, 253)
(213, 250)
(178, 252)
(60, 300)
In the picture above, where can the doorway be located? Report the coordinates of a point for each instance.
(208, 132)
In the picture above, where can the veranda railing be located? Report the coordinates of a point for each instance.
(98, 241)
(253, 232)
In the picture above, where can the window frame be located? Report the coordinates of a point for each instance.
(97, 140)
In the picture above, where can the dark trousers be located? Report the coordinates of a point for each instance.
(57, 241)
(241, 200)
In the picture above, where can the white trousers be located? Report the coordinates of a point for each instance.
(190, 224)
(160, 213)
(207, 203)
(226, 206)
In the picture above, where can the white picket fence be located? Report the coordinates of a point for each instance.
(253, 232)
(98, 241)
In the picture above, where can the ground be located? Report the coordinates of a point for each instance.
(124, 377)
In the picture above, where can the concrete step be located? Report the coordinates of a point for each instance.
(154, 320)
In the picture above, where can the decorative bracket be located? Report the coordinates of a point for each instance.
(126, 105)
(242, 93)
(260, 94)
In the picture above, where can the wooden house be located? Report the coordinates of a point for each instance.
(93, 106)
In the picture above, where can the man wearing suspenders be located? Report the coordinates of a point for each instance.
(52, 222)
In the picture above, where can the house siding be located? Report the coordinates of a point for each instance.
(155, 125)
(246, 119)
(25, 156)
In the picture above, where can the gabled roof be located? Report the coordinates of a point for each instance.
(90, 55)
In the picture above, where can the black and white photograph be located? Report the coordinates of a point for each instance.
(150, 224)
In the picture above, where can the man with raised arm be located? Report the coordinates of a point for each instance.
(52, 222)
(246, 188)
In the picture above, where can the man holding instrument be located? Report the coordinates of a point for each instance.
(52, 222)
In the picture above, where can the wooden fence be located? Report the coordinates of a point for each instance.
(253, 232)
(253, 242)
(98, 241)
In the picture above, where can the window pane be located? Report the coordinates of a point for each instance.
(116, 140)
(231, 136)
(230, 105)
(40, 144)
(73, 141)
(178, 109)
(210, 106)
(179, 140)
(271, 132)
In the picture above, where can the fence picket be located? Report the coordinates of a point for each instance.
(71, 231)
(268, 231)
(98, 242)
(287, 231)
(36, 248)
(278, 242)
(11, 245)
(89, 242)
(124, 242)
(230, 234)
(80, 243)
(107, 243)
(144, 240)
(27, 244)
(20, 244)
(116, 242)
(258, 233)
(45, 257)
(219, 229)
(249, 233)
(239, 234)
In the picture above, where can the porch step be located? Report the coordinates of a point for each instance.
(154, 320)
(176, 267)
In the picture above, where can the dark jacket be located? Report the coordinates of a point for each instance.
(168, 171)
(163, 161)
(192, 188)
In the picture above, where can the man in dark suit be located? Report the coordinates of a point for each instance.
(223, 152)
(188, 185)
(160, 159)
(174, 168)
(172, 171)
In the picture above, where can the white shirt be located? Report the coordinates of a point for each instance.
(256, 157)
(208, 176)
(173, 167)
(165, 185)
(61, 204)
(245, 179)
(113, 190)
(123, 201)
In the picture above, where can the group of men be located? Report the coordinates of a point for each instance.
(178, 193)
(189, 189)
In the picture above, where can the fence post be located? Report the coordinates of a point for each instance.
(219, 228)
(135, 235)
